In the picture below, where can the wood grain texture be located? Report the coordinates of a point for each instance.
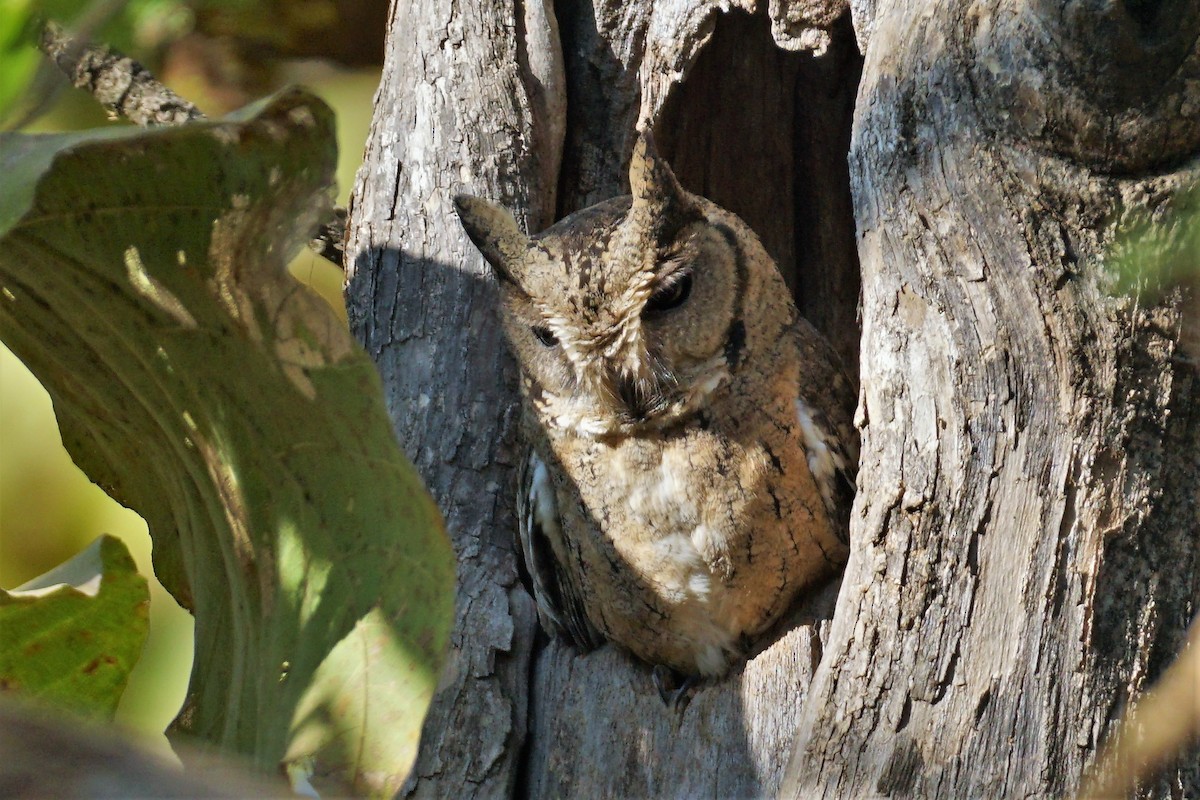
(470, 101)
(1028, 557)
(1024, 556)
(599, 728)
(459, 109)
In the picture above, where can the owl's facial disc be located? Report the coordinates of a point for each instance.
(621, 314)
(643, 351)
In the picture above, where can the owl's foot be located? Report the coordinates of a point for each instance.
(674, 689)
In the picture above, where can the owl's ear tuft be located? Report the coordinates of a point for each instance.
(651, 181)
(494, 232)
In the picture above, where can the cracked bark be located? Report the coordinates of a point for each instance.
(1024, 556)
(462, 107)
(1028, 558)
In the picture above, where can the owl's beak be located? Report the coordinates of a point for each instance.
(641, 399)
(633, 396)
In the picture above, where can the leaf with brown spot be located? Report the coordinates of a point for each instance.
(72, 636)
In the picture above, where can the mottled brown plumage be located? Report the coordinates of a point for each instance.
(692, 455)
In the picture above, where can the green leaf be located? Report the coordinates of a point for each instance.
(143, 280)
(18, 57)
(1158, 249)
(72, 635)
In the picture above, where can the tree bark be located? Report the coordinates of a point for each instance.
(468, 102)
(1025, 559)
(1023, 547)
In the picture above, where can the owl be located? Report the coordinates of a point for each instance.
(691, 454)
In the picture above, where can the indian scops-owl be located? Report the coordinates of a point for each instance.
(691, 456)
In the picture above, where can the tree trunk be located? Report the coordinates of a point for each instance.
(468, 101)
(1023, 547)
(1025, 557)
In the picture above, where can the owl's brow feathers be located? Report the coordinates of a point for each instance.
(674, 261)
(605, 341)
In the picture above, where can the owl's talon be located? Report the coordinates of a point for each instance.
(683, 695)
(664, 682)
(673, 689)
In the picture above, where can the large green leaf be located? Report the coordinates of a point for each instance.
(72, 635)
(142, 279)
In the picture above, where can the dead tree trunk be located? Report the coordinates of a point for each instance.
(1024, 554)
(468, 99)
(1026, 558)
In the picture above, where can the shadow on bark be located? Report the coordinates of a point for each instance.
(762, 131)
(749, 112)
(601, 707)
(1139, 594)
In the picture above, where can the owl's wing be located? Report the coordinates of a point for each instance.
(824, 408)
(542, 548)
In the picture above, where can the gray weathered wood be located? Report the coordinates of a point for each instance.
(599, 728)
(472, 100)
(1028, 560)
(462, 107)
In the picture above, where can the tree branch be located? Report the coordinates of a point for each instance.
(120, 84)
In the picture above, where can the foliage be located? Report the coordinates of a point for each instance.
(1158, 250)
(72, 635)
(142, 279)
(18, 60)
(243, 43)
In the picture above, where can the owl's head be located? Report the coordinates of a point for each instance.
(629, 315)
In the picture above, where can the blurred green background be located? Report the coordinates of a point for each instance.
(219, 54)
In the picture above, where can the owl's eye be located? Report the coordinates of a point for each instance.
(544, 335)
(673, 295)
